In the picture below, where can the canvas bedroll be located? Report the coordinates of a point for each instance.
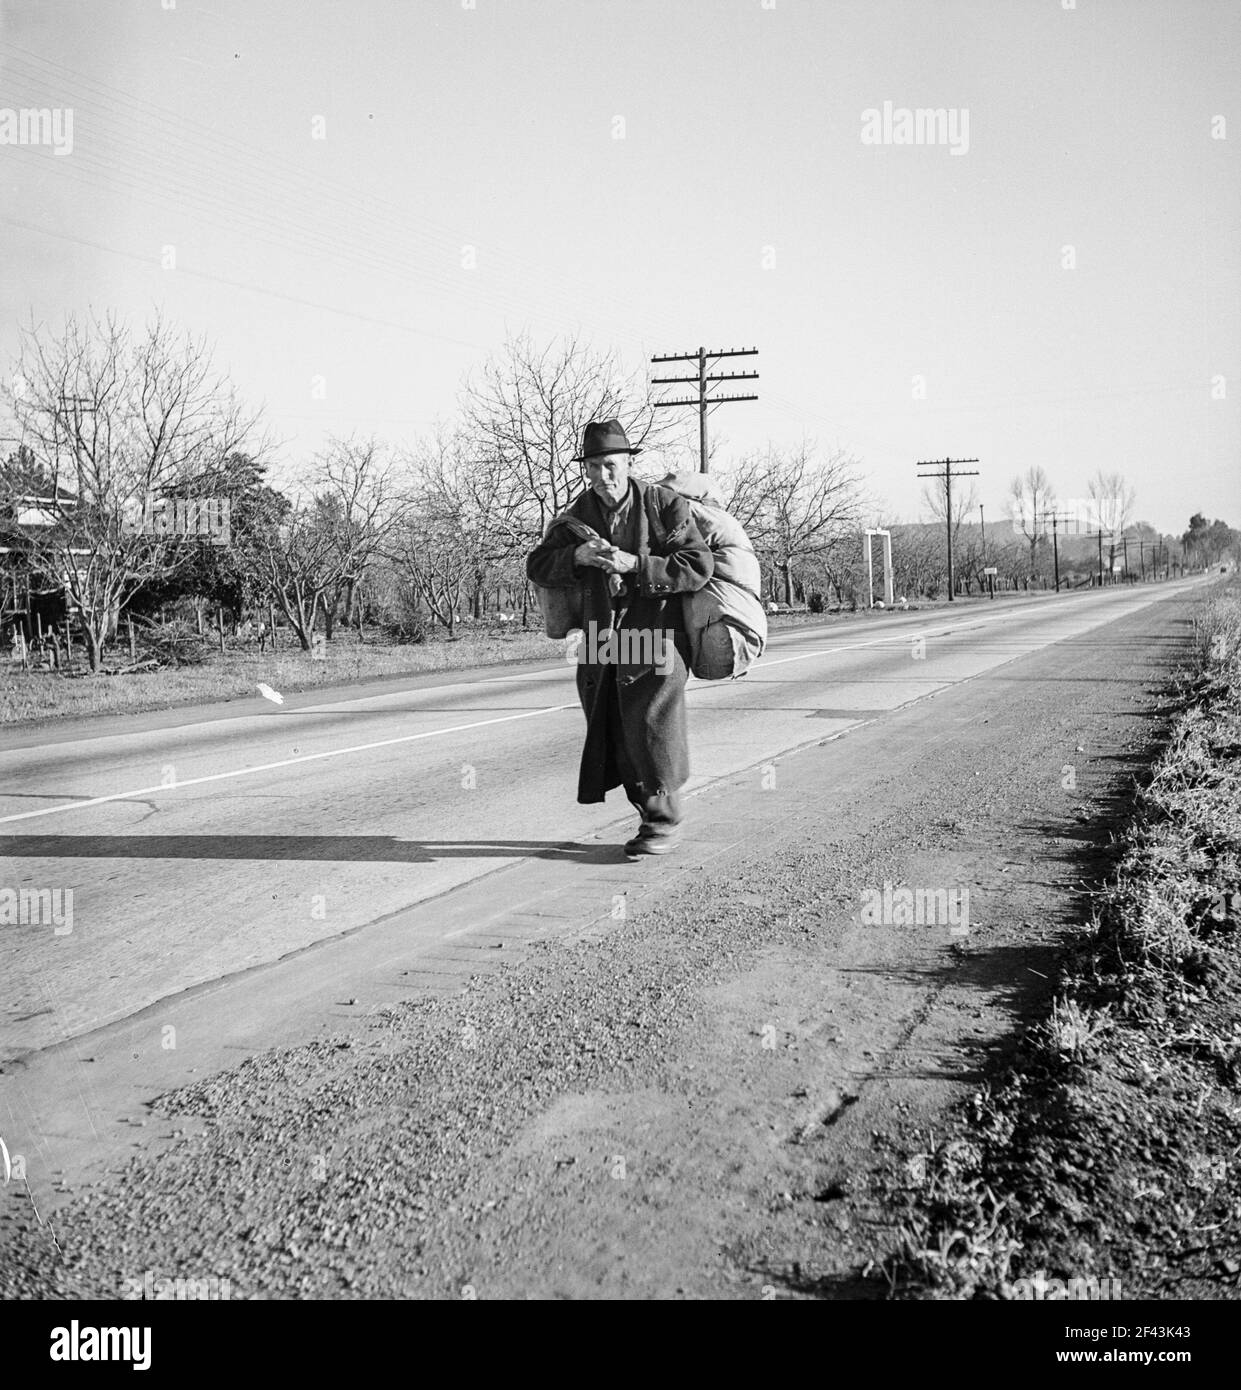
(725, 619)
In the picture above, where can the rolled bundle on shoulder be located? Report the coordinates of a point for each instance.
(725, 618)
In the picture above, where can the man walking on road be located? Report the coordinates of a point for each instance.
(646, 552)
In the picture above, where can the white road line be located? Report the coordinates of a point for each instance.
(972, 621)
(357, 748)
(284, 762)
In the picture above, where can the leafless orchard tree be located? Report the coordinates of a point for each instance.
(458, 525)
(427, 551)
(794, 504)
(1031, 500)
(301, 565)
(471, 489)
(357, 493)
(935, 504)
(347, 502)
(970, 559)
(1113, 500)
(919, 558)
(744, 489)
(839, 569)
(525, 412)
(112, 420)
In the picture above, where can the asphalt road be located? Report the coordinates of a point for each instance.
(199, 851)
(259, 879)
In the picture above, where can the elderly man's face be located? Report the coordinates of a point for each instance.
(608, 475)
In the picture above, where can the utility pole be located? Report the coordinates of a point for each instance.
(990, 578)
(947, 475)
(1099, 535)
(1056, 518)
(72, 408)
(703, 401)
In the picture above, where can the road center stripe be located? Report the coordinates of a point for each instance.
(284, 762)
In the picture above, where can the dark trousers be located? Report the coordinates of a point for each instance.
(661, 813)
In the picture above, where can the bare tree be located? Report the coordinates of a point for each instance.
(302, 563)
(745, 490)
(1113, 500)
(919, 558)
(114, 422)
(314, 555)
(427, 558)
(1009, 557)
(795, 504)
(469, 490)
(357, 494)
(526, 412)
(841, 568)
(969, 560)
(964, 503)
(1031, 500)
(458, 530)
(935, 501)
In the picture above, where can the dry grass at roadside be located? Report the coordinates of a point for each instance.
(1111, 1147)
(26, 697)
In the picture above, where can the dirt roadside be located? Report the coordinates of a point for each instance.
(690, 1101)
(1102, 1163)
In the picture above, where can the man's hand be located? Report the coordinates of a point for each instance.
(617, 561)
(601, 555)
(589, 551)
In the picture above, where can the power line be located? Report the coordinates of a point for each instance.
(1056, 518)
(250, 180)
(1099, 536)
(242, 285)
(947, 475)
(703, 400)
(245, 170)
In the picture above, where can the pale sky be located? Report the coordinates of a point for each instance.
(741, 207)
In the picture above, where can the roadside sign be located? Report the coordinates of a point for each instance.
(991, 569)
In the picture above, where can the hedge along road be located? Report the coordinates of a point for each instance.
(197, 852)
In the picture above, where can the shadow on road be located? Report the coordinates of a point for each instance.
(385, 849)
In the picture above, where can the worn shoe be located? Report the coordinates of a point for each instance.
(648, 841)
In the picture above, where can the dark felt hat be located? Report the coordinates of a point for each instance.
(605, 437)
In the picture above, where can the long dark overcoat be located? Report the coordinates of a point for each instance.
(673, 560)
